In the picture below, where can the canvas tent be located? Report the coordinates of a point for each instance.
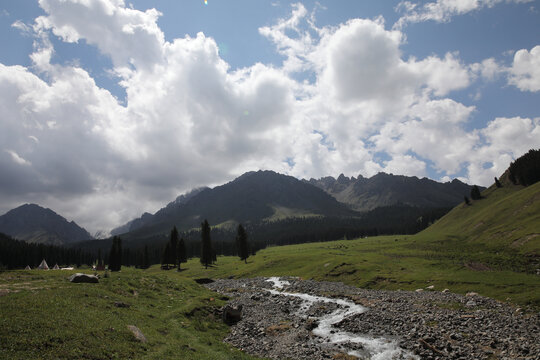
(43, 265)
(56, 267)
(27, 268)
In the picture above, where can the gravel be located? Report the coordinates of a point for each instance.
(428, 325)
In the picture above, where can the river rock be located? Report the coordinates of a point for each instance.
(137, 333)
(232, 315)
(83, 278)
(491, 329)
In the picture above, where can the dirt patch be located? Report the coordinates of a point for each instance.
(477, 266)
(274, 330)
(478, 225)
(522, 241)
(341, 269)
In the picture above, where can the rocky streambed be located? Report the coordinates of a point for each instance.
(289, 318)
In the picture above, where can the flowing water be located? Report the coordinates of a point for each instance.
(375, 348)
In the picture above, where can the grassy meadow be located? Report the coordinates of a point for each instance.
(44, 316)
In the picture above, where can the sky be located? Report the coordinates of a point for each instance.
(112, 108)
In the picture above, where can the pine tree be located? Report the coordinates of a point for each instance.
(146, 258)
(497, 183)
(475, 193)
(173, 254)
(242, 244)
(181, 252)
(206, 244)
(166, 256)
(467, 201)
(115, 255)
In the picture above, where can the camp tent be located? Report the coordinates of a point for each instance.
(43, 265)
(56, 267)
(27, 268)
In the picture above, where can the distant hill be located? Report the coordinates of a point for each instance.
(35, 224)
(148, 218)
(363, 194)
(252, 197)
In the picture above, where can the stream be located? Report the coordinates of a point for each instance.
(293, 318)
(373, 348)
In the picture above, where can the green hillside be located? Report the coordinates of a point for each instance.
(502, 228)
(44, 316)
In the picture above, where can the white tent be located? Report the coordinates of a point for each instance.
(56, 267)
(27, 268)
(43, 265)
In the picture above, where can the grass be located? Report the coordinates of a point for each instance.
(47, 317)
(282, 212)
(385, 262)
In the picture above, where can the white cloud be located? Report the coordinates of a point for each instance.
(130, 37)
(190, 120)
(16, 158)
(25, 29)
(525, 70)
(442, 10)
(488, 69)
(505, 139)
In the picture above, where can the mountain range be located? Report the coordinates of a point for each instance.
(267, 195)
(253, 197)
(35, 224)
(364, 194)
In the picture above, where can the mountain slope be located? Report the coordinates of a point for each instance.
(34, 224)
(363, 194)
(506, 219)
(251, 197)
(147, 217)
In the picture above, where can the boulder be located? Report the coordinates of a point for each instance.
(232, 315)
(83, 278)
(204, 281)
(137, 333)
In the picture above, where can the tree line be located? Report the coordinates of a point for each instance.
(526, 169)
(176, 247)
(16, 254)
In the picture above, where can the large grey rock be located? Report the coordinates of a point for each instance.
(83, 278)
(232, 315)
(137, 333)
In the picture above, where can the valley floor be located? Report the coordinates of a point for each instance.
(44, 316)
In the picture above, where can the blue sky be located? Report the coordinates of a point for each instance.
(106, 100)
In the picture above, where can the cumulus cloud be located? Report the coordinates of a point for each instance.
(442, 10)
(505, 139)
(191, 120)
(525, 70)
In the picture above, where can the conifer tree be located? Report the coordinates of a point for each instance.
(467, 201)
(475, 193)
(115, 255)
(146, 258)
(166, 255)
(181, 252)
(497, 182)
(173, 253)
(206, 245)
(242, 244)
